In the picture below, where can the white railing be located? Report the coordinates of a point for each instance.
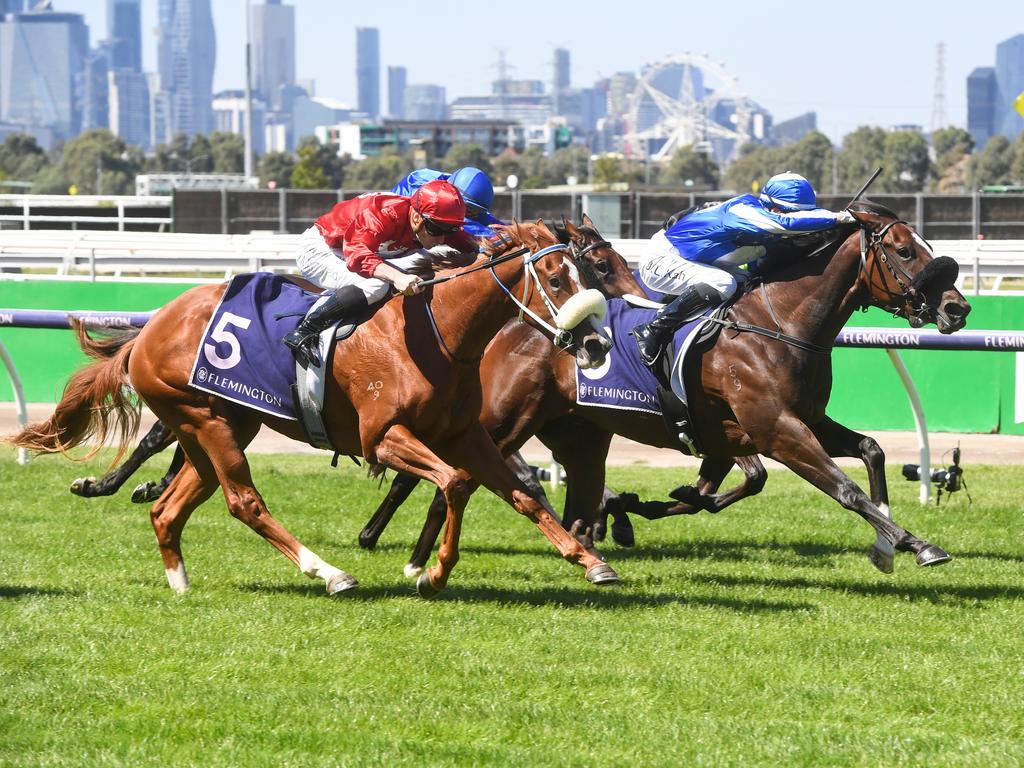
(92, 255)
(94, 209)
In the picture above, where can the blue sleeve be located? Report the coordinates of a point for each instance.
(785, 223)
(417, 179)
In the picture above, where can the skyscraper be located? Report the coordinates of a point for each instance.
(1010, 82)
(11, 6)
(396, 91)
(124, 22)
(981, 104)
(425, 102)
(273, 50)
(368, 70)
(192, 53)
(129, 106)
(560, 80)
(42, 54)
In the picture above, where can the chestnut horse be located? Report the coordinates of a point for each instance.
(419, 416)
(757, 390)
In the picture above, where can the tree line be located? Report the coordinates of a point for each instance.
(98, 162)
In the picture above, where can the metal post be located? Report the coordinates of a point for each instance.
(224, 212)
(19, 396)
(922, 428)
(248, 90)
(282, 211)
(976, 216)
(120, 214)
(636, 215)
(919, 214)
(26, 213)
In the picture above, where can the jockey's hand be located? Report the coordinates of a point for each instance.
(444, 252)
(409, 285)
(845, 217)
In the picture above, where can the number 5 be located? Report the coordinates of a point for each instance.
(222, 335)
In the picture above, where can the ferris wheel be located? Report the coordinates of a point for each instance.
(688, 99)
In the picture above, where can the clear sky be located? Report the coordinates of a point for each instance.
(854, 63)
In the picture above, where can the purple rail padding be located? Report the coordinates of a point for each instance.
(912, 338)
(878, 338)
(58, 318)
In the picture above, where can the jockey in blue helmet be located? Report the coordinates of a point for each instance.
(698, 258)
(476, 189)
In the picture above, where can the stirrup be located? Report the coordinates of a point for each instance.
(305, 347)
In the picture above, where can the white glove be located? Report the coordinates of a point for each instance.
(443, 251)
(845, 217)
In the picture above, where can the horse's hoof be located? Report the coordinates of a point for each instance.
(366, 541)
(80, 485)
(932, 555)
(341, 582)
(412, 571)
(602, 574)
(425, 588)
(622, 534)
(881, 559)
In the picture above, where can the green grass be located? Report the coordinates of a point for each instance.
(759, 636)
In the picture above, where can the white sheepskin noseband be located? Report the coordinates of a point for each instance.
(579, 307)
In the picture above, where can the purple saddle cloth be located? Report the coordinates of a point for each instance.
(241, 357)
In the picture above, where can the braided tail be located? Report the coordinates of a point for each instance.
(97, 402)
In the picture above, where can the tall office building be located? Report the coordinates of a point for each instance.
(425, 102)
(11, 6)
(981, 104)
(160, 122)
(164, 19)
(273, 50)
(124, 20)
(396, 91)
(42, 54)
(94, 90)
(129, 106)
(368, 70)
(1010, 82)
(560, 80)
(191, 56)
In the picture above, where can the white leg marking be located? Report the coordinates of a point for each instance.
(177, 578)
(412, 571)
(311, 565)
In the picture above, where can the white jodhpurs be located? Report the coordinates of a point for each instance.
(665, 271)
(325, 266)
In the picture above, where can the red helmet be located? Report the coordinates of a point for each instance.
(441, 202)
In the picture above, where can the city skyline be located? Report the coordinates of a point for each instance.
(876, 74)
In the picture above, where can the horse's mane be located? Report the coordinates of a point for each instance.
(515, 235)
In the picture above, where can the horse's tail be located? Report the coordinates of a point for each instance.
(97, 401)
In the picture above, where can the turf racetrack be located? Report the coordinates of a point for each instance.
(760, 636)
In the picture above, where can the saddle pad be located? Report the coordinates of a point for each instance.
(623, 381)
(241, 357)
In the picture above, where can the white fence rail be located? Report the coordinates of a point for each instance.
(117, 211)
(91, 255)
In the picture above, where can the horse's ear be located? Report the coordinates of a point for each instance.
(586, 221)
(570, 228)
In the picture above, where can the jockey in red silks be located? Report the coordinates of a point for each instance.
(365, 246)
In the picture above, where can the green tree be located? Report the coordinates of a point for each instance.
(952, 147)
(308, 173)
(227, 152)
(692, 169)
(992, 165)
(755, 165)
(863, 151)
(21, 157)
(1017, 168)
(506, 164)
(811, 157)
(906, 162)
(608, 170)
(276, 167)
(333, 165)
(97, 162)
(461, 155)
(566, 162)
(379, 173)
(179, 156)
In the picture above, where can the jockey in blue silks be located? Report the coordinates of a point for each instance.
(476, 189)
(698, 258)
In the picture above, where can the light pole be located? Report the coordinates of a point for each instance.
(248, 89)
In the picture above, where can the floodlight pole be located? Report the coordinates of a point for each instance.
(248, 90)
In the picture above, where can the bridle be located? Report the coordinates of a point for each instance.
(914, 304)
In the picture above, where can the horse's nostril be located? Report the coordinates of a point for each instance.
(955, 309)
(595, 346)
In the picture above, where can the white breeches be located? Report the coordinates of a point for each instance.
(325, 266)
(665, 271)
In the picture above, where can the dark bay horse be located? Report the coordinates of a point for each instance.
(404, 393)
(749, 393)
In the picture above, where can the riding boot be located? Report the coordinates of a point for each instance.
(651, 337)
(348, 301)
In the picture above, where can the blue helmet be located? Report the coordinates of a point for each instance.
(789, 191)
(475, 187)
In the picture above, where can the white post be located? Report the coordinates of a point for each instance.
(19, 396)
(922, 429)
(248, 91)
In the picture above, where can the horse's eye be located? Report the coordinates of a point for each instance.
(602, 267)
(555, 283)
(905, 252)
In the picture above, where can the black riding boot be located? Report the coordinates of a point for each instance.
(652, 337)
(346, 302)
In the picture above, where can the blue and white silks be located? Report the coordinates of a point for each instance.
(477, 226)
